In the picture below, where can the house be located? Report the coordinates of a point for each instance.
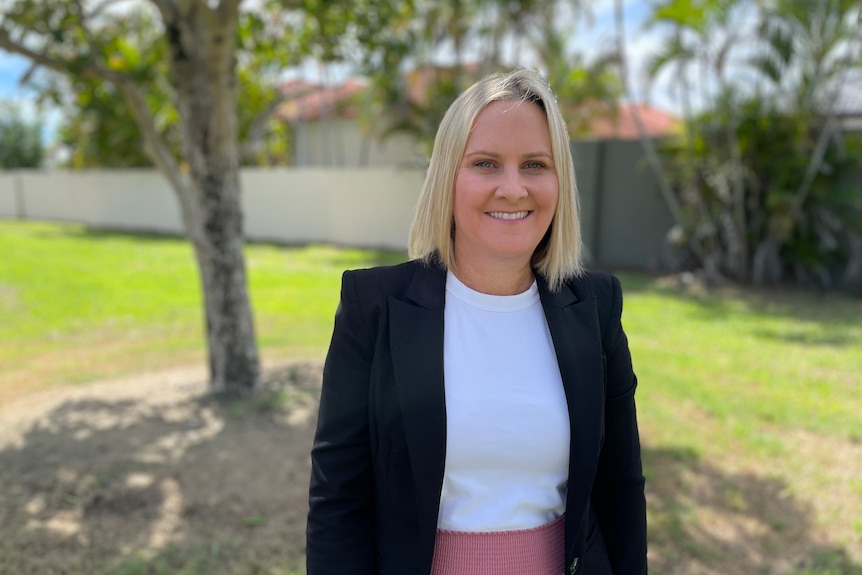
(849, 105)
(656, 123)
(329, 129)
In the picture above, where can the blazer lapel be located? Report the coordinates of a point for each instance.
(416, 340)
(572, 318)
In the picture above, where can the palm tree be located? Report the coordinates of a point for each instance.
(807, 50)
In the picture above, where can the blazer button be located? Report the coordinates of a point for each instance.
(574, 566)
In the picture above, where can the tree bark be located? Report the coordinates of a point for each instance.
(203, 70)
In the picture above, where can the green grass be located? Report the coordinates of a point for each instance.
(747, 359)
(731, 381)
(743, 359)
(79, 304)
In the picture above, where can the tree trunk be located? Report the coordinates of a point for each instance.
(203, 69)
(766, 268)
(852, 279)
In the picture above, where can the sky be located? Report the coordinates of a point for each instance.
(590, 41)
(641, 42)
(11, 69)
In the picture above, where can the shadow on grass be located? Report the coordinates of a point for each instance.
(343, 257)
(826, 318)
(183, 484)
(159, 481)
(706, 520)
(74, 230)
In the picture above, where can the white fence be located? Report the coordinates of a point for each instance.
(358, 207)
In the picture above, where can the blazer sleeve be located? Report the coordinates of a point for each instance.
(339, 532)
(618, 493)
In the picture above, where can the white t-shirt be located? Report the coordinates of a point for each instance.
(507, 436)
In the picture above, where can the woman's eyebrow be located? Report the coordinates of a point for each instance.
(482, 153)
(496, 155)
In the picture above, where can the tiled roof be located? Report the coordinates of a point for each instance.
(655, 122)
(307, 101)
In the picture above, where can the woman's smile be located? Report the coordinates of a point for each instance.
(509, 215)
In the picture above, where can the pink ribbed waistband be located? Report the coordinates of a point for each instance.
(539, 551)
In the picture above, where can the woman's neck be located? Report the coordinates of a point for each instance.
(499, 279)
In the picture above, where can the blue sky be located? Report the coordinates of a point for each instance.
(11, 68)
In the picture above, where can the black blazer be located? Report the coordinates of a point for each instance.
(379, 449)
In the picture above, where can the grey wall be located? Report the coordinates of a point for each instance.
(623, 216)
(361, 207)
(624, 220)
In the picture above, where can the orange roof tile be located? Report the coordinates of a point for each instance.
(655, 122)
(307, 101)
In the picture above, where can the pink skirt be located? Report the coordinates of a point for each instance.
(538, 551)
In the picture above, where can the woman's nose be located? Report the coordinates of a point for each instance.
(511, 186)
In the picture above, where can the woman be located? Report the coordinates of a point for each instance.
(477, 413)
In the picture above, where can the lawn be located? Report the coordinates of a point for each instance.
(79, 304)
(749, 402)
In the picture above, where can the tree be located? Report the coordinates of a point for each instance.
(473, 31)
(809, 46)
(585, 89)
(100, 132)
(703, 32)
(81, 41)
(204, 43)
(97, 125)
(20, 141)
(756, 176)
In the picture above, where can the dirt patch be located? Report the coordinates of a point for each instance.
(152, 475)
(725, 514)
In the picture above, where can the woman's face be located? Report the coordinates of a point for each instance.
(506, 186)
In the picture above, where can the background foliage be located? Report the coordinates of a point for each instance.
(20, 140)
(762, 170)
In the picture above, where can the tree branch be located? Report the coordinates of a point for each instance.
(57, 64)
(154, 146)
(184, 7)
(255, 132)
(168, 10)
(100, 7)
(815, 164)
(91, 40)
(818, 154)
(229, 6)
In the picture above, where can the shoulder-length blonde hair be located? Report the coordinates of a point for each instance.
(432, 234)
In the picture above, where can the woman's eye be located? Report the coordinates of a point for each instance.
(483, 164)
(534, 165)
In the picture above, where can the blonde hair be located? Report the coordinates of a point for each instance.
(432, 234)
